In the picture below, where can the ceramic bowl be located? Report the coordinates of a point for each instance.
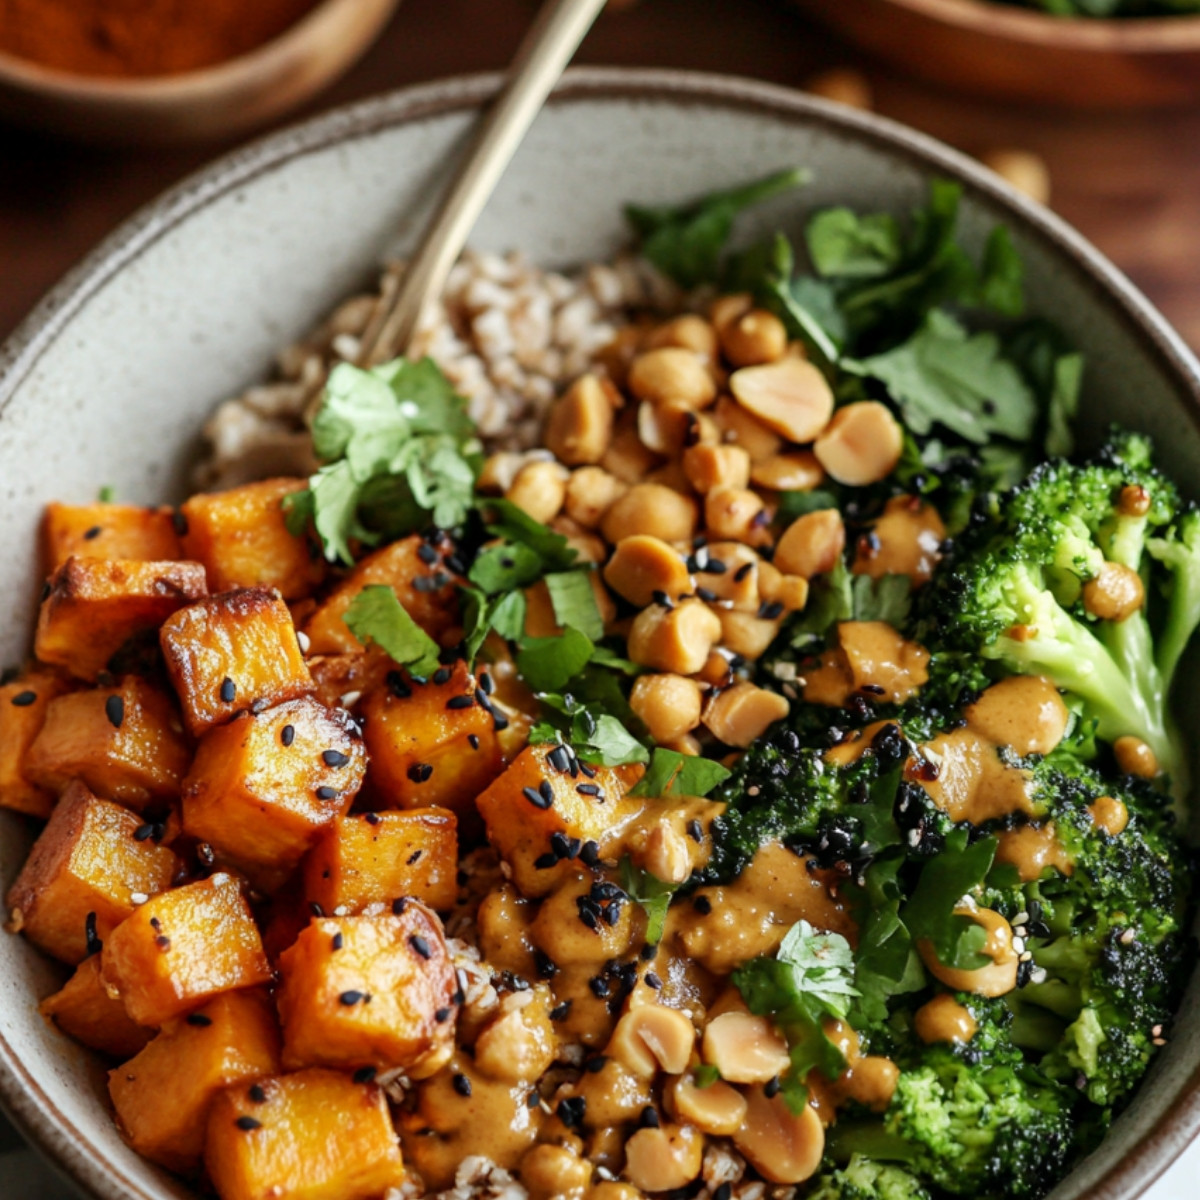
(1008, 53)
(214, 102)
(110, 379)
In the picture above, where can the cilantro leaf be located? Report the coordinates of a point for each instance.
(548, 664)
(844, 243)
(680, 774)
(945, 880)
(946, 376)
(651, 893)
(597, 736)
(887, 598)
(481, 614)
(686, 241)
(1064, 404)
(376, 615)
(1001, 285)
(822, 966)
(574, 602)
(505, 568)
(505, 520)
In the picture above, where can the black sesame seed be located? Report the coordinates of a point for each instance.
(707, 594)
(24, 699)
(399, 905)
(661, 599)
(589, 853)
(595, 1064)
(199, 1020)
(442, 1015)
(114, 710)
(372, 818)
(462, 1085)
(163, 942)
(599, 986)
(315, 908)
(364, 1075)
(724, 1192)
(398, 686)
(206, 854)
(649, 952)
(587, 789)
(770, 612)
(337, 941)
(92, 942)
(248, 1124)
(427, 554)
(420, 945)
(256, 1093)
(94, 532)
(350, 998)
(649, 1118)
(571, 1111)
(180, 522)
(532, 1100)
(544, 862)
(771, 1087)
(487, 683)
(559, 759)
(335, 758)
(458, 702)
(653, 981)
(695, 830)
(588, 770)
(228, 690)
(714, 566)
(499, 722)
(547, 968)
(473, 740)
(413, 857)
(442, 675)
(420, 772)
(742, 572)
(559, 1013)
(287, 735)
(536, 798)
(327, 793)
(703, 905)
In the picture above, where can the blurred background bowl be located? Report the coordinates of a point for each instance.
(213, 102)
(991, 49)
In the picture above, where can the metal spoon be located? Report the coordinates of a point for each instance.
(543, 55)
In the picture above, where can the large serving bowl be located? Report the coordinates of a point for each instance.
(111, 378)
(1023, 54)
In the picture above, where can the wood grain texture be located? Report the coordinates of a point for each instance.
(1128, 180)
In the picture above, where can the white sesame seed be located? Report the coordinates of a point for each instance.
(1156, 1031)
(350, 699)
(1037, 975)
(1022, 918)
(305, 642)
(1021, 931)
(914, 838)
(1160, 1041)
(1127, 937)
(605, 1174)
(342, 910)
(1019, 945)
(1027, 957)
(138, 897)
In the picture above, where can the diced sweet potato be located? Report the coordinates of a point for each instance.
(535, 799)
(369, 991)
(427, 750)
(125, 742)
(315, 1135)
(346, 678)
(263, 787)
(84, 1010)
(184, 947)
(425, 589)
(90, 861)
(122, 531)
(373, 857)
(163, 1096)
(242, 539)
(95, 606)
(23, 706)
(231, 652)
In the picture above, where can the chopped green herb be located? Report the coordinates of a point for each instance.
(548, 664)
(679, 774)
(651, 893)
(376, 615)
(574, 602)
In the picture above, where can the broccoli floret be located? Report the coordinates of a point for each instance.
(988, 1129)
(1013, 590)
(865, 1179)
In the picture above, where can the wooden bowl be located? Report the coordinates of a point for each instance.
(1016, 54)
(214, 102)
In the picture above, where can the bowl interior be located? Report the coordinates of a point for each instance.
(112, 378)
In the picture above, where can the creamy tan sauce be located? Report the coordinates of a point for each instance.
(904, 541)
(870, 658)
(1033, 848)
(943, 1019)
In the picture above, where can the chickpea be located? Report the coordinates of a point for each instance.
(590, 493)
(716, 670)
(676, 640)
(745, 1048)
(651, 508)
(861, 445)
(738, 514)
(739, 582)
(1115, 593)
(811, 544)
(796, 471)
(790, 396)
(660, 1160)
(1109, 814)
(712, 468)
(653, 1037)
(669, 705)
(614, 1094)
(746, 633)
(687, 744)
(554, 1171)
(666, 854)
(670, 475)
(558, 931)
(608, 1190)
(777, 588)
(615, 357)
(1023, 170)
(740, 428)
(999, 977)
(688, 332)
(627, 458)
(590, 547)
(754, 338)
(784, 1147)
(717, 1108)
(539, 489)
(641, 566)
(665, 428)
(724, 310)
(519, 1044)
(579, 427)
(843, 85)
(501, 469)
(672, 374)
(741, 714)
(1134, 500)
(1134, 757)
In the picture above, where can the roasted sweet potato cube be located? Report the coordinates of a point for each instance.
(125, 742)
(371, 857)
(541, 794)
(23, 705)
(122, 531)
(83, 1010)
(315, 1135)
(425, 589)
(83, 873)
(95, 606)
(263, 787)
(242, 539)
(369, 991)
(163, 1096)
(431, 743)
(231, 652)
(184, 947)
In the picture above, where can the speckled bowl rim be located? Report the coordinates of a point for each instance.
(20, 1096)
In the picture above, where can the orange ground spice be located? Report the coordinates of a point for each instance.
(133, 38)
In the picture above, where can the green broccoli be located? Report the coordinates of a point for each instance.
(865, 1179)
(1013, 591)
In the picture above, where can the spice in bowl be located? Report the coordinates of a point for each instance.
(140, 38)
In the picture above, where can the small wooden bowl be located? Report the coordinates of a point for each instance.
(214, 102)
(1009, 53)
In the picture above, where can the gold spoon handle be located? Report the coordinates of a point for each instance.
(543, 55)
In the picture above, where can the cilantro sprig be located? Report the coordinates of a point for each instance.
(376, 616)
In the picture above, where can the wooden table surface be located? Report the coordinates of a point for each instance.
(1129, 181)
